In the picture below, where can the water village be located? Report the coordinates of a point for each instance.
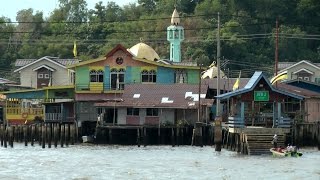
(131, 96)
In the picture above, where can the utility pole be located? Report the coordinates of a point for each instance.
(199, 97)
(277, 48)
(218, 67)
(218, 119)
(276, 56)
(197, 131)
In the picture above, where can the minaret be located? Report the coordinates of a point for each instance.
(175, 34)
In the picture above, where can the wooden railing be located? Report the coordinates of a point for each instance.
(29, 111)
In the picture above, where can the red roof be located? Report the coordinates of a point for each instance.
(182, 96)
(115, 49)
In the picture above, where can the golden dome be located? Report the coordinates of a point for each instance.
(143, 51)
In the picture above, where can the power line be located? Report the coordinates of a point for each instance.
(127, 19)
(160, 40)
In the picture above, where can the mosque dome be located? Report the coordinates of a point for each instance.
(144, 51)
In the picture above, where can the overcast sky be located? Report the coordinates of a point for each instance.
(9, 8)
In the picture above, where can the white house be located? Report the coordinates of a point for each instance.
(46, 71)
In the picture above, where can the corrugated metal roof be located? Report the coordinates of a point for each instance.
(184, 96)
(65, 62)
(6, 81)
(23, 62)
(297, 90)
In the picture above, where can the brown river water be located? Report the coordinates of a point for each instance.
(86, 162)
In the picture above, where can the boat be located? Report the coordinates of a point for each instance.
(87, 139)
(283, 152)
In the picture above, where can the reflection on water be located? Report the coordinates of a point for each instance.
(151, 162)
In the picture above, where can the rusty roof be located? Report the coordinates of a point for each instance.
(182, 96)
(297, 90)
(65, 62)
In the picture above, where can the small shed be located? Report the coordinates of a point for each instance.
(258, 103)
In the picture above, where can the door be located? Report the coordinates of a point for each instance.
(110, 116)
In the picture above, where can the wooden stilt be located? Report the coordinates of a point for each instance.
(1, 134)
(178, 136)
(55, 134)
(159, 135)
(192, 139)
(72, 134)
(25, 135)
(15, 129)
(67, 131)
(172, 137)
(145, 137)
(11, 138)
(49, 136)
(39, 134)
(138, 137)
(43, 136)
(62, 135)
(5, 137)
(110, 136)
(32, 134)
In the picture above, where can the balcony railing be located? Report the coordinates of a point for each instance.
(29, 111)
(53, 117)
(57, 117)
(98, 87)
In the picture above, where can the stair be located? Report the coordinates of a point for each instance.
(258, 144)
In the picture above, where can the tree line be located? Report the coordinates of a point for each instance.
(248, 30)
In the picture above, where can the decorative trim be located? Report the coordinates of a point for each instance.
(303, 69)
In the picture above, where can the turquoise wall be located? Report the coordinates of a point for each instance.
(106, 78)
(27, 95)
(193, 76)
(165, 75)
(82, 77)
(136, 74)
(127, 75)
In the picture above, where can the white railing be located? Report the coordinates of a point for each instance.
(53, 117)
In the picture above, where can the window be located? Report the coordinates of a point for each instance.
(132, 111)
(180, 76)
(96, 76)
(40, 76)
(152, 112)
(119, 60)
(46, 76)
(117, 79)
(149, 76)
(72, 77)
(176, 34)
(306, 78)
(317, 80)
(170, 34)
